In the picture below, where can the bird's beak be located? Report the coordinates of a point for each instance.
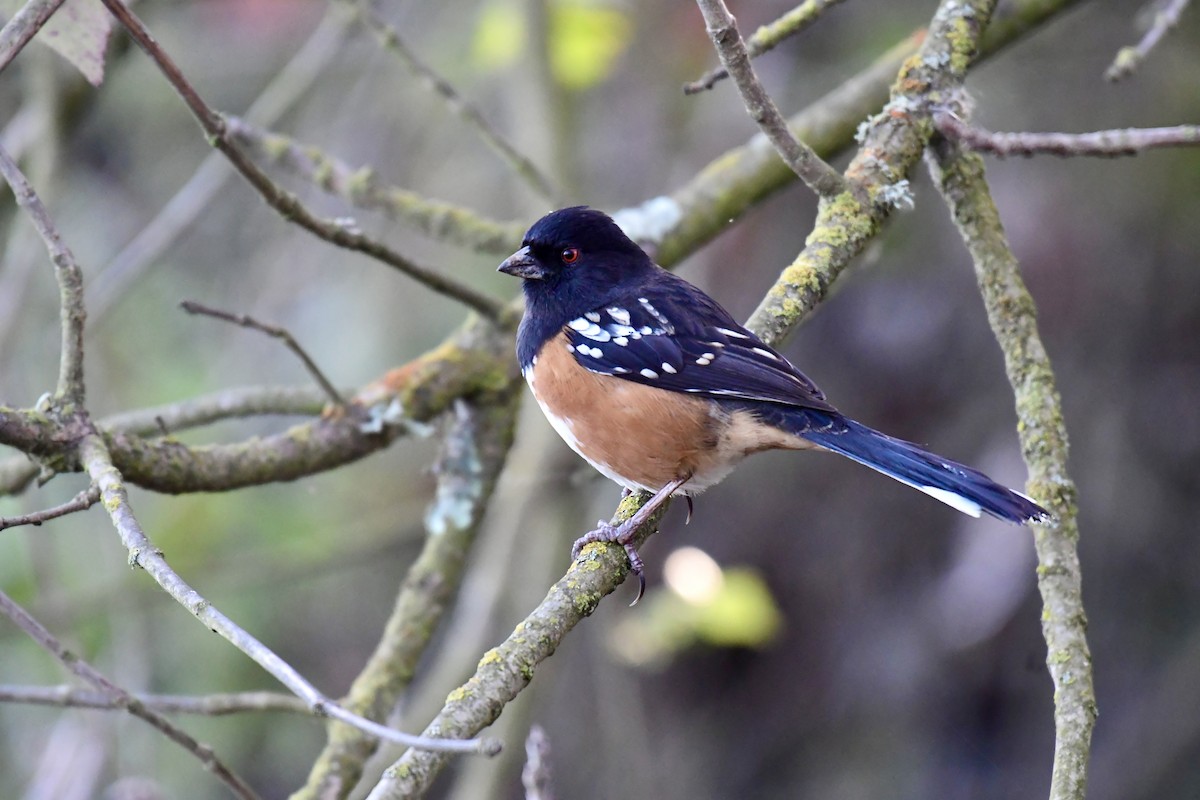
(522, 264)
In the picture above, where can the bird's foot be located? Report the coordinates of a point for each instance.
(617, 534)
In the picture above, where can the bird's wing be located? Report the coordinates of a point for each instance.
(677, 338)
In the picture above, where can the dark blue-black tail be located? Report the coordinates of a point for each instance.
(962, 487)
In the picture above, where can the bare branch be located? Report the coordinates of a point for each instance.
(121, 698)
(276, 332)
(70, 282)
(767, 38)
(23, 26)
(142, 553)
(360, 188)
(343, 233)
(1013, 317)
(248, 401)
(209, 705)
(1107, 144)
(80, 502)
(391, 40)
(1130, 58)
(722, 29)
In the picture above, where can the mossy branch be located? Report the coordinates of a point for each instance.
(1013, 317)
(508, 668)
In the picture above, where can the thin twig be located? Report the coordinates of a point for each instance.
(767, 38)
(70, 282)
(274, 331)
(343, 233)
(1106, 144)
(121, 698)
(208, 705)
(391, 40)
(142, 553)
(22, 27)
(179, 213)
(722, 28)
(80, 502)
(1130, 58)
(362, 189)
(1011, 312)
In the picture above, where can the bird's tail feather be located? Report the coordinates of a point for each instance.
(956, 485)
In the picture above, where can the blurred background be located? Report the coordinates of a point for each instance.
(817, 630)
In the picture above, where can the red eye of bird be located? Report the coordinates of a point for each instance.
(570, 255)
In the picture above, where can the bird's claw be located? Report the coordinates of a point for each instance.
(616, 534)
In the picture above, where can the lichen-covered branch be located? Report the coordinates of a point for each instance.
(361, 188)
(1013, 317)
(508, 668)
(892, 142)
(473, 454)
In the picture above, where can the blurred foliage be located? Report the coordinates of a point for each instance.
(904, 656)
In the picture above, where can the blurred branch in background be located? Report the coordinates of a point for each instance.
(209, 705)
(361, 189)
(391, 40)
(23, 26)
(1163, 18)
(341, 232)
(123, 699)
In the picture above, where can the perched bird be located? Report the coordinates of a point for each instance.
(659, 388)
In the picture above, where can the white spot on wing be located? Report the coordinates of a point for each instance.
(579, 324)
(953, 500)
(734, 334)
(593, 316)
(766, 353)
(619, 315)
(620, 341)
(648, 373)
(668, 368)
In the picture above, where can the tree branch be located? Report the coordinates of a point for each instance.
(142, 553)
(339, 232)
(1130, 58)
(508, 668)
(209, 705)
(1125, 142)
(275, 332)
(80, 502)
(361, 189)
(767, 38)
(1013, 317)
(391, 40)
(70, 283)
(123, 699)
(722, 29)
(23, 26)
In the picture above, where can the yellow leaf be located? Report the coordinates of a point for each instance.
(585, 41)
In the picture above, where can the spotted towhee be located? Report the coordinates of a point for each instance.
(652, 382)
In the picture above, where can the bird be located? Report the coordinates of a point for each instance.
(660, 389)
